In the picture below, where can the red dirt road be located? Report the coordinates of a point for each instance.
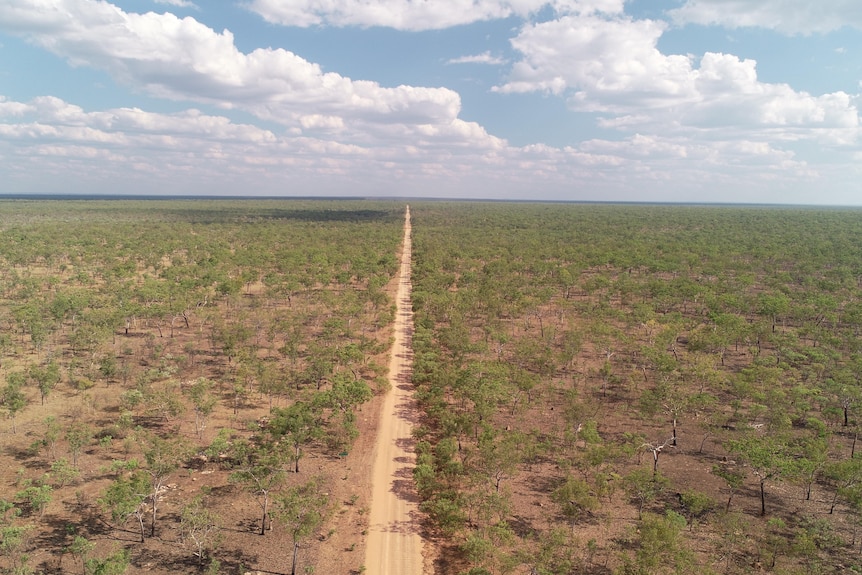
(394, 546)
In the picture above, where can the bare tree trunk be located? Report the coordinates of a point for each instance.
(705, 437)
(155, 506)
(263, 519)
(673, 440)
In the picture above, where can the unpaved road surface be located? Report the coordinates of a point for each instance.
(394, 546)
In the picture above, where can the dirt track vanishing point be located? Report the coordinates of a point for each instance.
(394, 545)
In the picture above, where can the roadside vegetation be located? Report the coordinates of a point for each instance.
(180, 379)
(639, 389)
(605, 389)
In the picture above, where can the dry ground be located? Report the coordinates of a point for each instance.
(337, 548)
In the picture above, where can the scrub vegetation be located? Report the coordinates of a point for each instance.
(192, 386)
(639, 389)
(182, 378)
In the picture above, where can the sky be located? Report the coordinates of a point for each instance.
(725, 101)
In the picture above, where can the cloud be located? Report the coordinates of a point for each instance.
(49, 145)
(703, 122)
(483, 58)
(178, 3)
(415, 15)
(785, 16)
(612, 66)
(192, 145)
(50, 117)
(182, 59)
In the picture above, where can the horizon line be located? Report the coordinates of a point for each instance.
(186, 197)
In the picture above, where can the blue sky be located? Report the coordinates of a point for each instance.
(752, 101)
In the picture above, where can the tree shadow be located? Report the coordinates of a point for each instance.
(544, 484)
(522, 526)
(27, 458)
(226, 212)
(238, 561)
(183, 562)
(404, 487)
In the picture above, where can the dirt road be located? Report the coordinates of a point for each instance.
(394, 546)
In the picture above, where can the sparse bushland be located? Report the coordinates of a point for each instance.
(676, 377)
(575, 364)
(152, 350)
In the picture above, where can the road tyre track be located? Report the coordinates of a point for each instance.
(394, 545)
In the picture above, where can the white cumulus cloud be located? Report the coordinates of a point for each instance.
(612, 66)
(49, 142)
(786, 16)
(483, 58)
(415, 14)
(177, 3)
(608, 63)
(182, 59)
(701, 122)
(170, 151)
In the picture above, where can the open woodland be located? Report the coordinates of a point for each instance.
(639, 389)
(192, 386)
(184, 383)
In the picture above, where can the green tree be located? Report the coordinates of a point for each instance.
(108, 368)
(204, 402)
(8, 512)
(271, 381)
(809, 463)
(261, 473)
(14, 542)
(13, 398)
(200, 527)
(498, 457)
(78, 435)
(696, 505)
(126, 497)
(51, 435)
(46, 377)
(774, 541)
(301, 509)
(644, 487)
(165, 401)
(554, 553)
(80, 548)
(114, 564)
(346, 394)
(163, 457)
(846, 476)
(768, 458)
(660, 546)
(733, 478)
(36, 497)
(774, 306)
(575, 499)
(63, 472)
(298, 425)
